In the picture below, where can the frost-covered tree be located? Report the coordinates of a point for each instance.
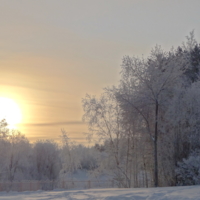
(103, 116)
(147, 87)
(46, 160)
(4, 131)
(15, 151)
(18, 157)
(70, 159)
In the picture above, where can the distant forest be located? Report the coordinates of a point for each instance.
(146, 129)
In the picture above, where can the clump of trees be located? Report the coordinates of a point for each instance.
(149, 123)
(42, 160)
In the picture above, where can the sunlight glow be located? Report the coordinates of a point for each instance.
(10, 111)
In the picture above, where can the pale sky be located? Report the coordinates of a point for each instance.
(53, 52)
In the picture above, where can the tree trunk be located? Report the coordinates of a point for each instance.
(155, 148)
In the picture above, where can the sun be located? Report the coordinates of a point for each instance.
(10, 111)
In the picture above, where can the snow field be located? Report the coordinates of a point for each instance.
(162, 193)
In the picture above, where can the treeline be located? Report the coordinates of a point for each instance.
(43, 160)
(150, 122)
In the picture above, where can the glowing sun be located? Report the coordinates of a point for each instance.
(10, 111)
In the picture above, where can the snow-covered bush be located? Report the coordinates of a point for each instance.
(188, 171)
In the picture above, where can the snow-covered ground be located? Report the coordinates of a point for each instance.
(164, 193)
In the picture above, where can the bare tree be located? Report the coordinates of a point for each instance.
(103, 116)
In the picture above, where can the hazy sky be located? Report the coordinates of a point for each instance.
(54, 52)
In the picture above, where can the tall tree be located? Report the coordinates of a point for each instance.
(146, 88)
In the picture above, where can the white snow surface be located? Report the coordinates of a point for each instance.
(162, 193)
